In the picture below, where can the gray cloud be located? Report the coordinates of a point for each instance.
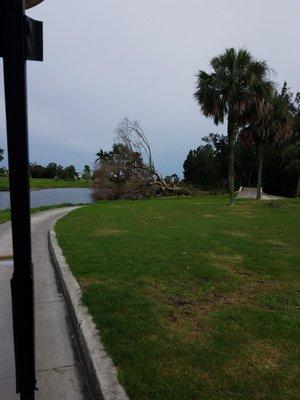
(113, 58)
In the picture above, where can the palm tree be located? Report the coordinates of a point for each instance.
(231, 90)
(99, 155)
(274, 124)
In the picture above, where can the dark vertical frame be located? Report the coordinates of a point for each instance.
(14, 54)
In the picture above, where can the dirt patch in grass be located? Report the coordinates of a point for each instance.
(238, 234)
(185, 314)
(108, 232)
(86, 282)
(208, 216)
(263, 356)
(246, 212)
(278, 243)
(211, 302)
(227, 261)
(258, 356)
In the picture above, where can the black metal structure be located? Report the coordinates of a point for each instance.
(20, 39)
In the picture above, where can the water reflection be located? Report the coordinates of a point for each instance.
(46, 197)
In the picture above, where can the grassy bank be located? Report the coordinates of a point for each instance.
(193, 299)
(5, 214)
(49, 184)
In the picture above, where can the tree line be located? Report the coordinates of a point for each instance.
(206, 166)
(56, 171)
(238, 90)
(52, 171)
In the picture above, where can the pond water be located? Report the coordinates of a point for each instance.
(46, 197)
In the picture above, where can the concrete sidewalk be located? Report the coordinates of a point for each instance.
(58, 374)
(250, 193)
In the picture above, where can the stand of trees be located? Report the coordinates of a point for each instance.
(53, 171)
(206, 166)
(232, 91)
(238, 89)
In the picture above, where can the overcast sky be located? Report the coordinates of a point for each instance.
(107, 59)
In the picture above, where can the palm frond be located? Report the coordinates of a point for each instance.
(236, 84)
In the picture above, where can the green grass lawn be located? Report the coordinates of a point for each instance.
(5, 214)
(193, 299)
(49, 183)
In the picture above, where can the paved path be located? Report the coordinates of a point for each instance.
(250, 193)
(58, 374)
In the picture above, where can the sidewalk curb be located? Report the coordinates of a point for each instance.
(100, 370)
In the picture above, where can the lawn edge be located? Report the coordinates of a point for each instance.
(100, 370)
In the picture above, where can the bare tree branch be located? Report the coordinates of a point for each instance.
(131, 134)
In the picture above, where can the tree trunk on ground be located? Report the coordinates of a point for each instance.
(230, 132)
(166, 189)
(298, 187)
(260, 168)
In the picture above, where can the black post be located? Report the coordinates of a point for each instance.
(14, 54)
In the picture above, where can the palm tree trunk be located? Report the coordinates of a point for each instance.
(260, 168)
(230, 133)
(298, 187)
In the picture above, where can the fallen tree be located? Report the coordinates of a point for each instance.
(128, 171)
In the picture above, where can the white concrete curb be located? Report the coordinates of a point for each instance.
(100, 370)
